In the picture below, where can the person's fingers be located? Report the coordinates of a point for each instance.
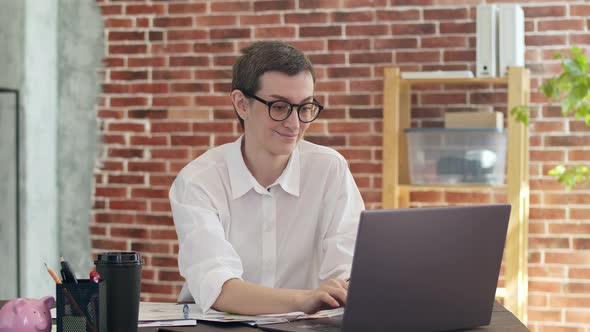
(337, 292)
(329, 300)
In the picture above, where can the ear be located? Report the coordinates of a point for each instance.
(48, 301)
(19, 304)
(240, 103)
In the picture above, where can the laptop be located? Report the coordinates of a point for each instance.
(422, 269)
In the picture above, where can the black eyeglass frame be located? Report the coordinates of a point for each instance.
(291, 106)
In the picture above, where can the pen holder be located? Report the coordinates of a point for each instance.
(81, 306)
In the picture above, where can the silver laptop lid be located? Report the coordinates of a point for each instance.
(426, 269)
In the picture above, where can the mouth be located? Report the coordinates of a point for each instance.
(287, 135)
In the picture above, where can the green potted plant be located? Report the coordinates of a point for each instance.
(572, 88)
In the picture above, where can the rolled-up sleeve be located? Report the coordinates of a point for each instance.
(205, 258)
(343, 210)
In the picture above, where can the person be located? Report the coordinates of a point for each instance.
(267, 224)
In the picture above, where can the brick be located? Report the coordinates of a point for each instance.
(544, 11)
(330, 86)
(546, 155)
(364, 3)
(348, 45)
(546, 213)
(125, 179)
(443, 98)
(216, 47)
(352, 16)
(578, 126)
(128, 75)
(190, 140)
(156, 35)
(371, 113)
(144, 9)
(146, 166)
(213, 20)
(373, 57)
(411, 2)
(560, 25)
(443, 42)
(545, 315)
(460, 56)
(169, 153)
(319, 4)
(422, 56)
(149, 193)
(367, 30)
(148, 114)
(182, 61)
(267, 5)
(365, 140)
(327, 140)
(128, 49)
(398, 15)
(413, 29)
(426, 196)
(149, 140)
(576, 287)
(151, 219)
(567, 141)
(275, 32)
(126, 126)
(114, 218)
(544, 286)
(110, 192)
(365, 167)
(167, 22)
(185, 8)
(150, 247)
(112, 62)
(169, 276)
(395, 43)
(129, 232)
(190, 87)
(349, 100)
(570, 258)
(306, 18)
(127, 205)
(445, 14)
(149, 61)
(323, 31)
(172, 101)
(170, 75)
(115, 88)
(126, 35)
(349, 72)
(163, 234)
(162, 206)
(233, 33)
(170, 48)
(109, 245)
(579, 10)
(327, 58)
(213, 127)
(488, 98)
(454, 27)
(544, 271)
(125, 153)
(569, 302)
(581, 244)
(542, 40)
(578, 273)
(150, 88)
(548, 243)
(231, 6)
(348, 127)
(184, 35)
(259, 19)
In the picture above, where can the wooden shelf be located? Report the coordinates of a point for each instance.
(457, 80)
(397, 103)
(455, 187)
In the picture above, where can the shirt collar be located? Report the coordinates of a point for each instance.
(242, 180)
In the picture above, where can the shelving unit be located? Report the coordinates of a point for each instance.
(396, 182)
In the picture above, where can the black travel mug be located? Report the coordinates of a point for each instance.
(122, 271)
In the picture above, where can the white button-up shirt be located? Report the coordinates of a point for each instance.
(296, 233)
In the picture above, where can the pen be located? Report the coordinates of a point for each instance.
(185, 310)
(67, 272)
(70, 298)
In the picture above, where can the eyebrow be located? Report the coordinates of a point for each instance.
(287, 99)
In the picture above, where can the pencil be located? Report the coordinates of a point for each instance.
(52, 274)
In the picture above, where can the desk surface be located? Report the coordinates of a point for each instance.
(502, 320)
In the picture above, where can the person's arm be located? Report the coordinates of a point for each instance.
(342, 213)
(238, 296)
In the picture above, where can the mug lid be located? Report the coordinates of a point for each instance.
(118, 257)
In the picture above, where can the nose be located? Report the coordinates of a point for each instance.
(293, 120)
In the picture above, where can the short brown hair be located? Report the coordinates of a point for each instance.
(265, 56)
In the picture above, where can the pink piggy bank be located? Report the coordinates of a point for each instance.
(27, 315)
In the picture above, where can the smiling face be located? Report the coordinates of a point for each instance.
(277, 138)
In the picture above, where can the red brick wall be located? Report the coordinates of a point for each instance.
(165, 100)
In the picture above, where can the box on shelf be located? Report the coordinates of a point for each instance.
(474, 120)
(456, 156)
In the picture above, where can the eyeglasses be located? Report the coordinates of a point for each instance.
(280, 110)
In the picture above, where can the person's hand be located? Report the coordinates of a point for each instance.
(331, 294)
